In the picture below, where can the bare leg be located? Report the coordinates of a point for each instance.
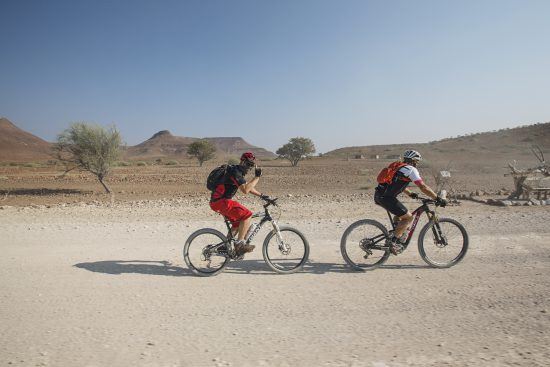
(404, 221)
(243, 228)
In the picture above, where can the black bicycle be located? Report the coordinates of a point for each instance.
(285, 249)
(442, 242)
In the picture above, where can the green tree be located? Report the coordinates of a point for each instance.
(296, 149)
(89, 148)
(201, 149)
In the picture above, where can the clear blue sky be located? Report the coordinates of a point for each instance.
(340, 72)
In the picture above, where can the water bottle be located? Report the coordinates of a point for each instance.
(250, 231)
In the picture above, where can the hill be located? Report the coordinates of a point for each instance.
(17, 145)
(501, 144)
(164, 144)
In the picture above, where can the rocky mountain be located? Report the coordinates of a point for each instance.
(502, 144)
(17, 145)
(164, 144)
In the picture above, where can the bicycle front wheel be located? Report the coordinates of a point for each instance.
(205, 252)
(361, 245)
(287, 251)
(443, 243)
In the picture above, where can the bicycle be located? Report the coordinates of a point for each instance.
(365, 243)
(207, 251)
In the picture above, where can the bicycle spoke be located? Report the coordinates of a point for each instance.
(286, 253)
(362, 244)
(205, 253)
(443, 244)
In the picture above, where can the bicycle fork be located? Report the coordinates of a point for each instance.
(283, 247)
(439, 238)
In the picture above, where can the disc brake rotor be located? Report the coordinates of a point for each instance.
(284, 248)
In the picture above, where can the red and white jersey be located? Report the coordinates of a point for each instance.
(411, 173)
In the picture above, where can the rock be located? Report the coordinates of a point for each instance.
(506, 203)
(535, 201)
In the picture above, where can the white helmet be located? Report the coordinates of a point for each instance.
(412, 155)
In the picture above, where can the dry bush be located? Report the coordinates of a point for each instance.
(89, 148)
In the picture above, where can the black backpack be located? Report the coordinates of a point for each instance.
(216, 177)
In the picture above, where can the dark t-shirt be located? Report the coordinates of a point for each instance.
(230, 184)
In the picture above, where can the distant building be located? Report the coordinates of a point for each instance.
(359, 156)
(375, 156)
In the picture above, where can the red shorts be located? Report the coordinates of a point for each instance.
(232, 210)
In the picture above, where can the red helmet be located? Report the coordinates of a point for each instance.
(248, 158)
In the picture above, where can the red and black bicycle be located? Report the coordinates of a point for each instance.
(442, 242)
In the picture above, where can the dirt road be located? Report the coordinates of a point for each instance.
(92, 285)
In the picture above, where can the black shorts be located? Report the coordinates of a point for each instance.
(391, 204)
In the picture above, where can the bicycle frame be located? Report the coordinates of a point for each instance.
(417, 213)
(265, 217)
(416, 217)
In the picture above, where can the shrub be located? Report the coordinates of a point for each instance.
(202, 149)
(296, 149)
(172, 163)
(141, 164)
(122, 164)
(90, 148)
(233, 161)
(32, 165)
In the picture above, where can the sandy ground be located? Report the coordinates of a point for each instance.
(100, 285)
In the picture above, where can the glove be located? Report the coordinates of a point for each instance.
(440, 202)
(258, 172)
(413, 195)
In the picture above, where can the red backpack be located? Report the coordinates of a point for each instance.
(386, 175)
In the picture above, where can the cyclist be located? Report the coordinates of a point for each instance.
(221, 198)
(386, 194)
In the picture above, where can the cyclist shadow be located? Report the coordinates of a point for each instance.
(259, 267)
(117, 267)
(406, 266)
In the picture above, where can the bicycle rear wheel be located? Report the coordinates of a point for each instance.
(443, 243)
(361, 242)
(286, 254)
(205, 252)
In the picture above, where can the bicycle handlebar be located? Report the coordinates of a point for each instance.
(429, 201)
(426, 200)
(270, 202)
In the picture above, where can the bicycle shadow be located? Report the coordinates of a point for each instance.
(259, 267)
(406, 266)
(117, 267)
(254, 267)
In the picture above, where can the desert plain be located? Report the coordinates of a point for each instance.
(91, 280)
